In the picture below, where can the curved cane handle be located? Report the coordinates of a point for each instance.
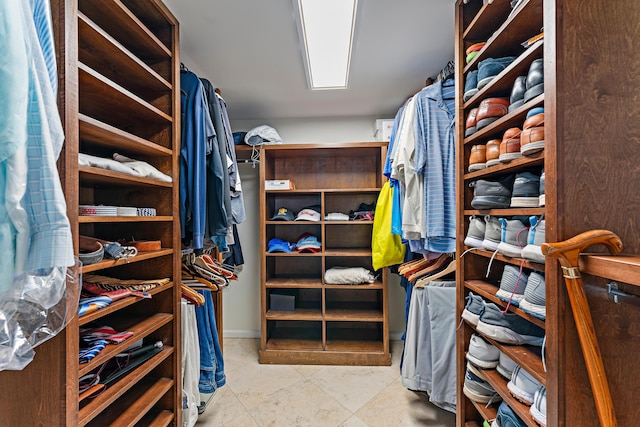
(569, 251)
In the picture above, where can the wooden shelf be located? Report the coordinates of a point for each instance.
(513, 119)
(299, 191)
(112, 393)
(101, 51)
(536, 160)
(354, 222)
(489, 17)
(348, 252)
(375, 285)
(120, 304)
(116, 18)
(487, 412)
(525, 23)
(142, 405)
(94, 219)
(142, 256)
(297, 314)
(293, 283)
(163, 419)
(472, 424)
(514, 261)
(293, 254)
(353, 314)
(97, 176)
(505, 212)
(623, 268)
(488, 291)
(100, 97)
(500, 385)
(502, 84)
(140, 330)
(104, 135)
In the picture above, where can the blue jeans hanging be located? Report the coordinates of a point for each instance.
(211, 362)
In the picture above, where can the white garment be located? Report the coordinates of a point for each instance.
(143, 168)
(403, 170)
(103, 163)
(348, 276)
(190, 365)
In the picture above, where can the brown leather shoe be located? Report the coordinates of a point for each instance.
(510, 146)
(470, 127)
(477, 158)
(490, 110)
(532, 138)
(493, 152)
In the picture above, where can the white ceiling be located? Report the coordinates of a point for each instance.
(250, 50)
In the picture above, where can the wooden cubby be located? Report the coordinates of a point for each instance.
(590, 170)
(331, 324)
(118, 68)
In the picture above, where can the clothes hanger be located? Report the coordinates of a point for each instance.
(409, 264)
(451, 268)
(415, 265)
(439, 263)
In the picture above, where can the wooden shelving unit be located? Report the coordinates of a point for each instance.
(588, 186)
(118, 66)
(331, 324)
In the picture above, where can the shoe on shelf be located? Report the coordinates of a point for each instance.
(478, 390)
(507, 418)
(512, 284)
(539, 408)
(473, 309)
(492, 152)
(535, 80)
(471, 85)
(516, 99)
(523, 386)
(510, 145)
(476, 232)
(477, 158)
(492, 194)
(534, 301)
(505, 366)
(471, 123)
(513, 237)
(489, 68)
(541, 199)
(473, 50)
(535, 239)
(490, 110)
(526, 191)
(508, 328)
(492, 233)
(532, 137)
(482, 354)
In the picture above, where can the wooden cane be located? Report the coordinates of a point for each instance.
(568, 253)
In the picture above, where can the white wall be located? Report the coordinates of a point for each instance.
(242, 299)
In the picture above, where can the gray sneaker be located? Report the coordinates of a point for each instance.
(482, 354)
(492, 233)
(523, 386)
(513, 237)
(492, 194)
(508, 328)
(539, 408)
(505, 366)
(512, 285)
(473, 309)
(541, 199)
(476, 231)
(526, 191)
(535, 239)
(534, 301)
(478, 390)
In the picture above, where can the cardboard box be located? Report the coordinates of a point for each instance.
(278, 184)
(383, 129)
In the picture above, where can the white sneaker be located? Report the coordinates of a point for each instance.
(523, 386)
(482, 353)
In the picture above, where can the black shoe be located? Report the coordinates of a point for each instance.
(535, 80)
(492, 194)
(517, 93)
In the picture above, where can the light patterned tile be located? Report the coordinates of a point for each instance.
(396, 347)
(255, 383)
(352, 386)
(245, 420)
(306, 370)
(354, 421)
(397, 406)
(239, 353)
(224, 406)
(300, 405)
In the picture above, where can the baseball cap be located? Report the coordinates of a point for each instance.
(283, 214)
(308, 214)
(307, 242)
(279, 245)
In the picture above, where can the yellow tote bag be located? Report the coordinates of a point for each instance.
(387, 249)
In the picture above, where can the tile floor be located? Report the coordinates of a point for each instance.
(325, 396)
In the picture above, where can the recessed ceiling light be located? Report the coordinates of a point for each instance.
(327, 28)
